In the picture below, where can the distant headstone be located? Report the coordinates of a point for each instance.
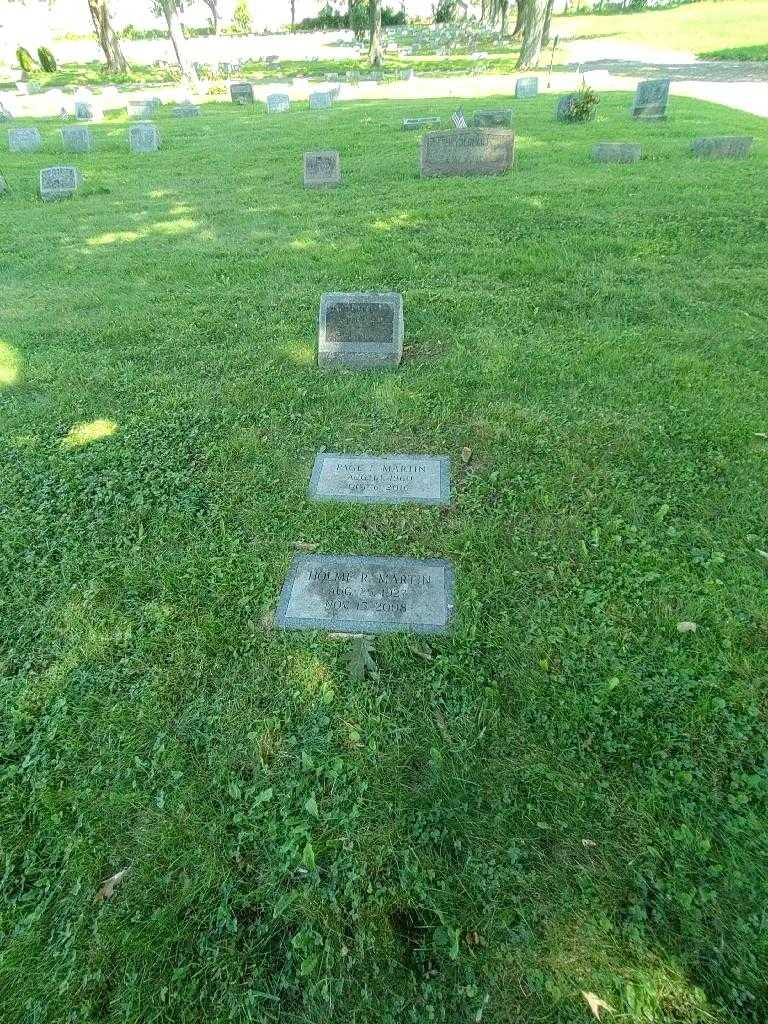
(320, 100)
(143, 137)
(360, 329)
(492, 119)
(391, 479)
(278, 103)
(565, 107)
(24, 140)
(651, 99)
(142, 108)
(87, 110)
(58, 182)
(322, 168)
(77, 139)
(467, 151)
(186, 110)
(723, 147)
(358, 594)
(525, 88)
(413, 124)
(241, 92)
(617, 152)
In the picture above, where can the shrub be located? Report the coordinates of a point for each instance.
(444, 11)
(25, 59)
(583, 104)
(241, 19)
(47, 60)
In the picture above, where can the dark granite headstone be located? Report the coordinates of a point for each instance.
(322, 169)
(241, 92)
(360, 329)
(723, 147)
(651, 99)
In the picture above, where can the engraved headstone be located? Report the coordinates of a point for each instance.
(525, 88)
(388, 479)
(58, 182)
(492, 119)
(320, 100)
(87, 110)
(322, 168)
(186, 110)
(241, 92)
(24, 140)
(467, 151)
(142, 108)
(77, 139)
(723, 147)
(360, 594)
(360, 329)
(617, 152)
(278, 103)
(413, 124)
(651, 99)
(143, 137)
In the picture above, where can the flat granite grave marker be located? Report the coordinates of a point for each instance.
(278, 103)
(723, 147)
(360, 329)
(360, 594)
(241, 92)
(651, 99)
(77, 139)
(412, 124)
(467, 151)
(322, 169)
(24, 140)
(492, 119)
(142, 108)
(58, 182)
(186, 110)
(526, 88)
(320, 100)
(388, 479)
(617, 152)
(143, 137)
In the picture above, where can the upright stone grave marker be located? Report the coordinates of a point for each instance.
(322, 169)
(241, 92)
(651, 99)
(492, 119)
(58, 182)
(24, 140)
(723, 147)
(142, 108)
(88, 110)
(278, 103)
(387, 479)
(143, 137)
(186, 110)
(320, 100)
(617, 152)
(77, 139)
(467, 151)
(526, 88)
(360, 594)
(360, 329)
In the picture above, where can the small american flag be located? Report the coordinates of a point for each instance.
(459, 121)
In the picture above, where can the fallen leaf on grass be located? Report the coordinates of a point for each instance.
(686, 627)
(588, 842)
(301, 545)
(466, 455)
(421, 650)
(108, 886)
(596, 1004)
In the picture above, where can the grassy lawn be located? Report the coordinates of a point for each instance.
(694, 27)
(565, 794)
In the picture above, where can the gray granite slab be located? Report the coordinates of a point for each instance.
(143, 137)
(142, 108)
(322, 168)
(723, 147)
(360, 594)
(651, 99)
(186, 110)
(360, 329)
(467, 151)
(320, 100)
(413, 124)
(58, 182)
(278, 103)
(386, 479)
(24, 140)
(617, 152)
(77, 139)
(525, 88)
(241, 92)
(492, 119)
(87, 110)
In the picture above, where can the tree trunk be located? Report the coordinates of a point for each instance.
(518, 19)
(534, 13)
(504, 6)
(214, 9)
(171, 12)
(293, 13)
(375, 52)
(107, 37)
(547, 23)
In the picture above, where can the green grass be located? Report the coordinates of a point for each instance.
(758, 52)
(566, 793)
(692, 27)
(95, 73)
